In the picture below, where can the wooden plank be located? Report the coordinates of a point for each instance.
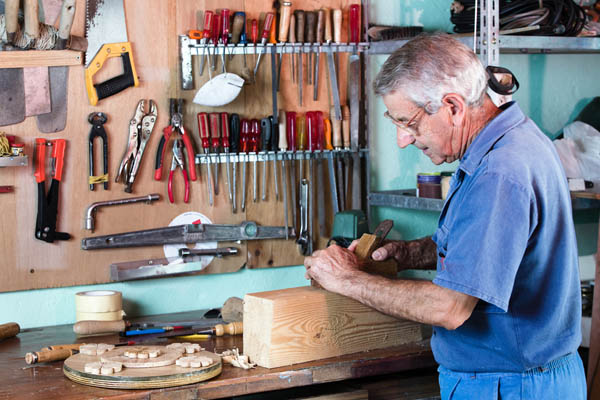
(40, 58)
(290, 326)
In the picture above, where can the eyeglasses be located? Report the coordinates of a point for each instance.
(409, 125)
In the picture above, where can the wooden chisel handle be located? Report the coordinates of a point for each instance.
(346, 125)
(233, 328)
(9, 330)
(11, 10)
(32, 22)
(66, 21)
(337, 26)
(284, 21)
(73, 346)
(49, 355)
(92, 327)
(336, 129)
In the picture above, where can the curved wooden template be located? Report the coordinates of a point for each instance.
(140, 378)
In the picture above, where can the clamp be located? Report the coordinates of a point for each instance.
(176, 125)
(98, 119)
(140, 129)
(45, 225)
(178, 161)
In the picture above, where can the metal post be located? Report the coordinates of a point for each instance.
(489, 49)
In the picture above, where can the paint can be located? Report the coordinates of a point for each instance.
(429, 185)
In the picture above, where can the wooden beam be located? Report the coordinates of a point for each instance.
(40, 58)
(289, 326)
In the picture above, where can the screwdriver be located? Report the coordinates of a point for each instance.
(234, 141)
(254, 35)
(205, 137)
(215, 135)
(273, 143)
(263, 39)
(320, 193)
(292, 40)
(330, 164)
(208, 21)
(336, 134)
(265, 140)
(319, 41)
(224, 34)
(283, 145)
(313, 136)
(301, 140)
(225, 143)
(244, 148)
(253, 148)
(311, 19)
(300, 38)
(237, 31)
(291, 141)
(284, 25)
(215, 39)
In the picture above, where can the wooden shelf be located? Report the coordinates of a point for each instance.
(40, 58)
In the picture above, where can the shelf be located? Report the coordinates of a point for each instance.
(40, 58)
(272, 156)
(20, 161)
(513, 44)
(404, 199)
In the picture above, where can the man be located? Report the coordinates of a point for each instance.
(505, 303)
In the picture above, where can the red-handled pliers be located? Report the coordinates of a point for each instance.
(178, 162)
(176, 125)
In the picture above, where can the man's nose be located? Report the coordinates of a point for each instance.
(404, 138)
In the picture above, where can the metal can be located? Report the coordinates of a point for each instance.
(17, 149)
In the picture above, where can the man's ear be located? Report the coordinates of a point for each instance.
(456, 107)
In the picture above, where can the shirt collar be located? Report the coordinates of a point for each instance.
(510, 116)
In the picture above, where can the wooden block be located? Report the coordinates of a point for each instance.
(296, 325)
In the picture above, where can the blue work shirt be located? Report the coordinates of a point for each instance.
(506, 236)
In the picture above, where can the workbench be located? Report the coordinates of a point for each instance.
(46, 381)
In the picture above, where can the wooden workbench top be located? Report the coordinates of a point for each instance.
(46, 381)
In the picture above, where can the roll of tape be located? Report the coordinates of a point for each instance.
(99, 316)
(98, 301)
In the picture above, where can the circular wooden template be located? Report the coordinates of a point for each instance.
(140, 378)
(165, 357)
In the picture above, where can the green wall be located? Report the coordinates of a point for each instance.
(553, 89)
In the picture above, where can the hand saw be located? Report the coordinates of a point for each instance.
(106, 33)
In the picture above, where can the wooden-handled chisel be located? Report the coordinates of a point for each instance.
(9, 330)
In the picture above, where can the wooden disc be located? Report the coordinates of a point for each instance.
(165, 357)
(140, 378)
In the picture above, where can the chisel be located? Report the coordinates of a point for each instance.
(292, 40)
(301, 140)
(273, 149)
(300, 38)
(284, 25)
(354, 96)
(283, 145)
(234, 142)
(347, 157)
(311, 21)
(313, 134)
(337, 26)
(319, 41)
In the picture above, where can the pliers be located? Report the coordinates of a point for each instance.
(175, 106)
(178, 161)
(45, 225)
(140, 129)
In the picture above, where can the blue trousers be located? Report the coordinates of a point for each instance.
(561, 379)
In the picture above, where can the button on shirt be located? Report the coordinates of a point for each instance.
(506, 236)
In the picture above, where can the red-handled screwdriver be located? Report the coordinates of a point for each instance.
(224, 33)
(244, 148)
(208, 21)
(215, 142)
(263, 39)
(253, 145)
(205, 137)
(225, 144)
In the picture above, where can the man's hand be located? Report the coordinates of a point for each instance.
(391, 249)
(332, 267)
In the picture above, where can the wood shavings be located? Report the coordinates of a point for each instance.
(103, 368)
(234, 358)
(95, 349)
(194, 361)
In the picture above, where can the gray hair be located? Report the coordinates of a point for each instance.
(430, 66)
